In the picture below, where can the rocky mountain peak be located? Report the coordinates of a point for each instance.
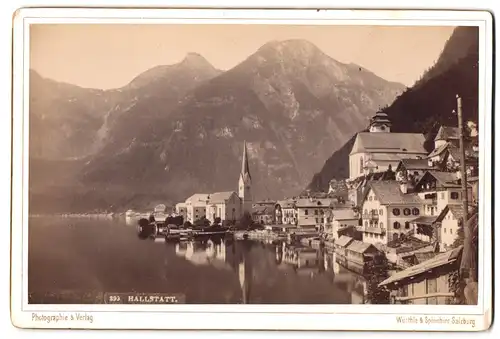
(290, 49)
(197, 61)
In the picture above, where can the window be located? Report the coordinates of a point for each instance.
(381, 225)
(317, 220)
(366, 223)
(397, 225)
(396, 211)
(444, 230)
(407, 225)
(415, 211)
(306, 212)
(315, 212)
(454, 195)
(361, 165)
(380, 212)
(370, 198)
(406, 211)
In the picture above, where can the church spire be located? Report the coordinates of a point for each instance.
(245, 169)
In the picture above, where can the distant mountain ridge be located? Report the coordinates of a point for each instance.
(427, 105)
(179, 130)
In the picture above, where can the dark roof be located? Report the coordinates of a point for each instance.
(447, 133)
(389, 193)
(415, 164)
(438, 150)
(424, 219)
(262, 210)
(444, 179)
(437, 261)
(389, 143)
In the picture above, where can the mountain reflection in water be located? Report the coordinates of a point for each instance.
(106, 256)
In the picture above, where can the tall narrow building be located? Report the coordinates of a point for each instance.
(245, 183)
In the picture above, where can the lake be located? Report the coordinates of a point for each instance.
(75, 260)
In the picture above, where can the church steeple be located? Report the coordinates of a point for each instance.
(380, 122)
(245, 169)
(245, 183)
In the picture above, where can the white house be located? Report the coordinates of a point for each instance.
(196, 206)
(342, 218)
(313, 213)
(286, 212)
(387, 210)
(448, 222)
(374, 151)
(223, 205)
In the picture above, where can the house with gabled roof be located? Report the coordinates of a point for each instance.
(448, 224)
(427, 282)
(446, 152)
(387, 210)
(439, 189)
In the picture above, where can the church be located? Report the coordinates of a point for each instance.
(377, 150)
(227, 205)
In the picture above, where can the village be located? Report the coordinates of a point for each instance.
(411, 213)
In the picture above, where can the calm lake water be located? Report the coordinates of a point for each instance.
(74, 260)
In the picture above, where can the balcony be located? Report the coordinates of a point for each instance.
(375, 230)
(372, 215)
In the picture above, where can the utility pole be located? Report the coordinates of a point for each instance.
(468, 255)
(463, 170)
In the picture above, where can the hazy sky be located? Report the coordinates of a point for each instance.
(109, 56)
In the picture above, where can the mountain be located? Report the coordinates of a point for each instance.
(63, 117)
(426, 105)
(69, 125)
(292, 103)
(68, 121)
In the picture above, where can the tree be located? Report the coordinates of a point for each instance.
(377, 271)
(459, 240)
(202, 222)
(188, 224)
(217, 221)
(246, 221)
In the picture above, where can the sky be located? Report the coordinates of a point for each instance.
(109, 56)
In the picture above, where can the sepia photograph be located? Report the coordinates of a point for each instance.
(233, 163)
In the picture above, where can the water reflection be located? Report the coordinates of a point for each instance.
(245, 258)
(105, 256)
(210, 252)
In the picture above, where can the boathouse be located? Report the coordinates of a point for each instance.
(341, 245)
(426, 283)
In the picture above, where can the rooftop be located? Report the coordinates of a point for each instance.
(437, 261)
(344, 214)
(198, 198)
(359, 246)
(447, 133)
(411, 143)
(220, 197)
(343, 241)
(415, 164)
(389, 193)
(425, 219)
